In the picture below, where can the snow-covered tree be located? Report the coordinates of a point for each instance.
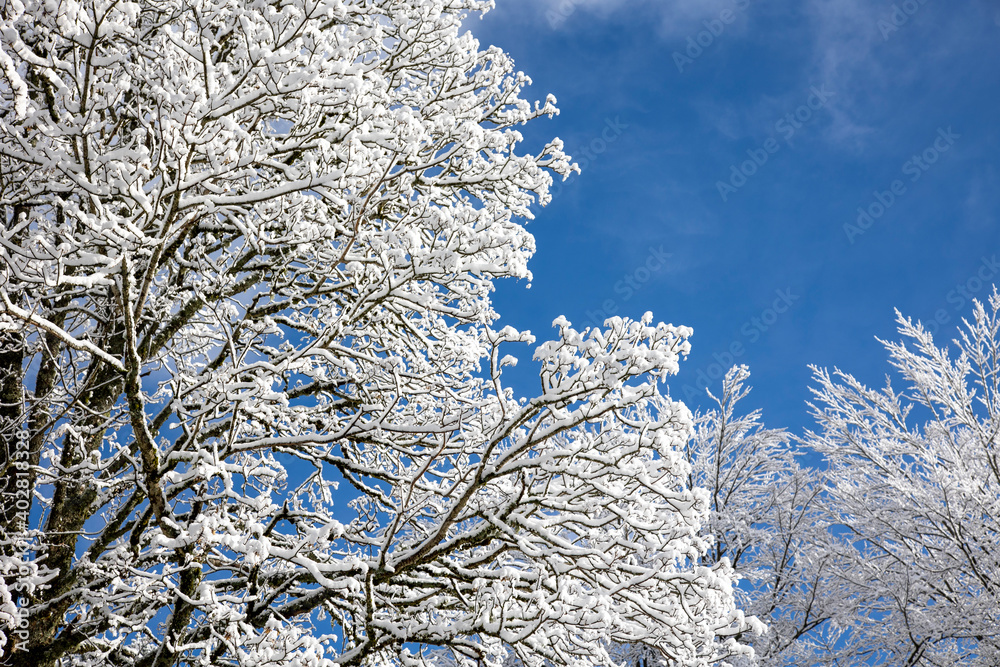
(768, 520)
(915, 481)
(245, 271)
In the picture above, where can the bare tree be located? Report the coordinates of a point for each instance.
(915, 482)
(769, 520)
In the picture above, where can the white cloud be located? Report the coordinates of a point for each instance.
(845, 35)
(866, 51)
(676, 17)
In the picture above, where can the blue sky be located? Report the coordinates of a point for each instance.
(739, 137)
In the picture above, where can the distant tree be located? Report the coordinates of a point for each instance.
(915, 484)
(768, 519)
(247, 254)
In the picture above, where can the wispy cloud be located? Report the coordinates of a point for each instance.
(979, 205)
(868, 50)
(844, 36)
(676, 17)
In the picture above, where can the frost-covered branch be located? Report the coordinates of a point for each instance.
(914, 483)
